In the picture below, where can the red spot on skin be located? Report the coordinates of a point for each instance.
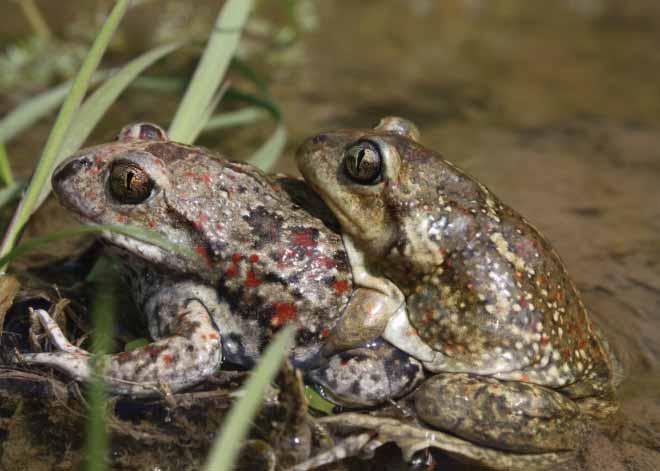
(566, 353)
(303, 239)
(327, 262)
(524, 377)
(213, 336)
(582, 344)
(340, 286)
(153, 351)
(284, 312)
(218, 226)
(448, 263)
(207, 178)
(523, 302)
(203, 218)
(344, 361)
(151, 224)
(519, 274)
(254, 258)
(124, 356)
(233, 269)
(202, 252)
(325, 333)
(190, 174)
(251, 281)
(470, 286)
(544, 340)
(168, 359)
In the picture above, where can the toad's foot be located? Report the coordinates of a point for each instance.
(367, 432)
(367, 376)
(507, 415)
(191, 354)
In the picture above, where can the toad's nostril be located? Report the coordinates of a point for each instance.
(68, 170)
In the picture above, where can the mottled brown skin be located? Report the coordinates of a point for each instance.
(484, 292)
(252, 260)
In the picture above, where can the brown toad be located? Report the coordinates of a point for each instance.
(253, 261)
(489, 306)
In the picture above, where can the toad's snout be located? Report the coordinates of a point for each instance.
(74, 189)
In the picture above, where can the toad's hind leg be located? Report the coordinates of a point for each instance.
(190, 354)
(369, 375)
(504, 415)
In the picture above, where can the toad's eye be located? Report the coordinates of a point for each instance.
(363, 163)
(129, 184)
(143, 131)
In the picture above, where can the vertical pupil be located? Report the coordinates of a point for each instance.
(360, 157)
(129, 179)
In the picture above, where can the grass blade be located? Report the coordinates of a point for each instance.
(35, 19)
(29, 112)
(95, 106)
(211, 68)
(204, 118)
(96, 438)
(8, 193)
(241, 117)
(45, 165)
(266, 156)
(226, 447)
(260, 101)
(144, 235)
(249, 73)
(5, 169)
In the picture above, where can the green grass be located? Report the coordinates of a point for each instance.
(237, 424)
(96, 437)
(5, 169)
(74, 123)
(211, 69)
(42, 172)
(144, 235)
(37, 107)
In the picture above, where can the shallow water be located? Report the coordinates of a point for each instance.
(557, 110)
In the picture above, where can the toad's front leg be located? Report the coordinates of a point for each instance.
(192, 353)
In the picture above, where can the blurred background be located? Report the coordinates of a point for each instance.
(555, 106)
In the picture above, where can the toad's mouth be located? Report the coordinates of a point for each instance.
(309, 199)
(348, 223)
(152, 252)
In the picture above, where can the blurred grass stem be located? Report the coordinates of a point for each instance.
(58, 133)
(36, 19)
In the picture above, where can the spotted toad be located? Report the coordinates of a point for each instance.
(254, 260)
(489, 306)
